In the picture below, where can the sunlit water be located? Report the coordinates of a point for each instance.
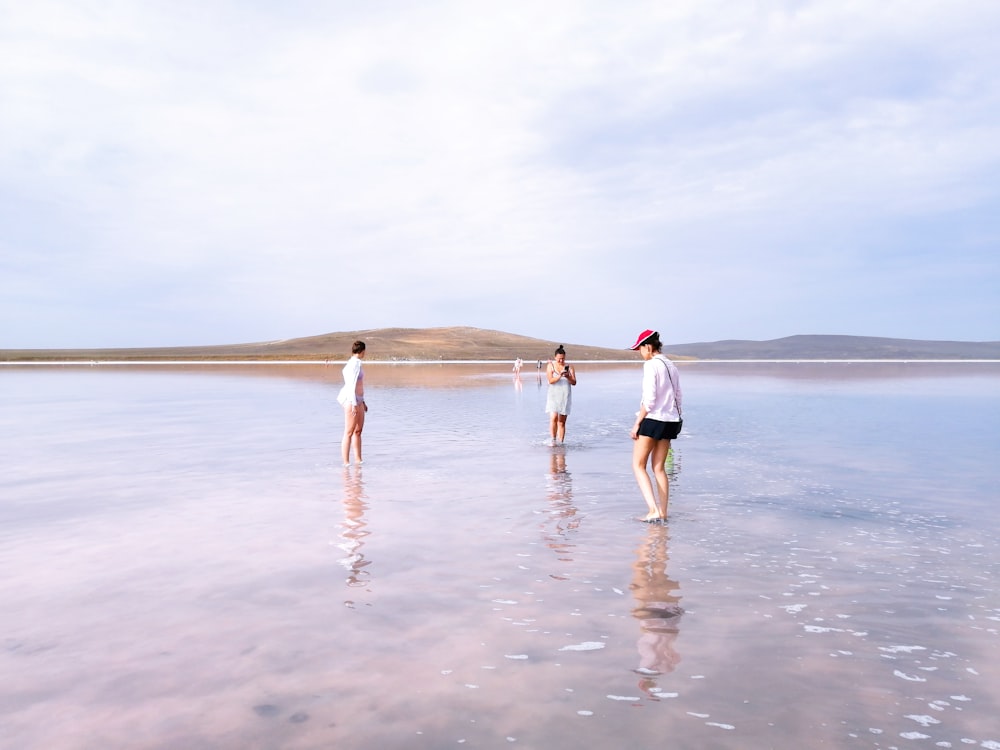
(187, 565)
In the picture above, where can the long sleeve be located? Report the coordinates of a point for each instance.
(648, 385)
(352, 371)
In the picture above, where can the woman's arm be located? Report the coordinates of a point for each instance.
(351, 372)
(649, 386)
(551, 374)
(639, 416)
(646, 402)
(359, 387)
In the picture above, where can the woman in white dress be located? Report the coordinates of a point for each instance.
(559, 397)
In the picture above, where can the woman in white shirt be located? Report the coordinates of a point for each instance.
(658, 421)
(352, 398)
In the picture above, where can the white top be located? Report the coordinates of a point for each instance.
(352, 374)
(661, 389)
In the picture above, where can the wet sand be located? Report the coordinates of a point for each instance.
(187, 565)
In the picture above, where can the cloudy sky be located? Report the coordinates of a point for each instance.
(209, 172)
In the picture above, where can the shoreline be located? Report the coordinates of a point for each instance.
(465, 344)
(525, 369)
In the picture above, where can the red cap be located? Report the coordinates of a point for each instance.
(642, 338)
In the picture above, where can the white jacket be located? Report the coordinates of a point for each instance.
(661, 389)
(352, 374)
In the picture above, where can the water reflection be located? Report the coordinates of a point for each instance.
(657, 608)
(672, 464)
(563, 518)
(354, 528)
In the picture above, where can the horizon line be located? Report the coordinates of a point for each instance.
(257, 362)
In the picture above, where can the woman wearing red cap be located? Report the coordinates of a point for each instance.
(658, 421)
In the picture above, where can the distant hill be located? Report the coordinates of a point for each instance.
(463, 343)
(453, 343)
(838, 347)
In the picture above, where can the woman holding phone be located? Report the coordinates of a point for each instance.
(559, 398)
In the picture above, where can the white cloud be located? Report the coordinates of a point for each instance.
(565, 170)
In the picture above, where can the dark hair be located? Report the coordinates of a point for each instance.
(654, 341)
(560, 350)
(357, 347)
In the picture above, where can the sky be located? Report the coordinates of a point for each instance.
(196, 172)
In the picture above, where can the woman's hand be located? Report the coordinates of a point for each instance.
(639, 416)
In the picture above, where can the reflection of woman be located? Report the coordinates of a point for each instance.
(352, 398)
(559, 398)
(657, 609)
(658, 421)
(354, 529)
(562, 511)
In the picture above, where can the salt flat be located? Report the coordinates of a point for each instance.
(187, 564)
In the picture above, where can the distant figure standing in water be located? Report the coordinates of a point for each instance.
(658, 421)
(559, 398)
(352, 398)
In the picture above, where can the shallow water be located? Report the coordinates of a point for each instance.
(186, 564)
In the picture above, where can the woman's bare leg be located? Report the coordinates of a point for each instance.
(359, 425)
(553, 425)
(561, 427)
(641, 449)
(351, 416)
(660, 450)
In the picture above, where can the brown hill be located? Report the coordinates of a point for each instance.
(463, 343)
(383, 344)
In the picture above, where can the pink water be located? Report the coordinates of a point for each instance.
(186, 564)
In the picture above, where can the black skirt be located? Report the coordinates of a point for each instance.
(658, 430)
